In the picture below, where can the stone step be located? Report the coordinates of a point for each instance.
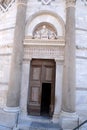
(34, 118)
(5, 128)
(7, 119)
(38, 126)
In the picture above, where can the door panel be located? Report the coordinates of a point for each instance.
(42, 71)
(35, 88)
(36, 73)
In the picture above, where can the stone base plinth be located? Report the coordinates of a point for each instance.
(11, 109)
(56, 119)
(8, 120)
(69, 120)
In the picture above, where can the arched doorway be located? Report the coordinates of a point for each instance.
(44, 40)
(42, 87)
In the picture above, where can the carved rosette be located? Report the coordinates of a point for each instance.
(70, 3)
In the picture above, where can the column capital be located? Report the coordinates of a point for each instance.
(27, 61)
(70, 3)
(22, 2)
(59, 61)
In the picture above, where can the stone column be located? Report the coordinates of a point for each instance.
(58, 89)
(68, 103)
(13, 96)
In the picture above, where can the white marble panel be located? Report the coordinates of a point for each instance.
(4, 69)
(6, 37)
(81, 73)
(81, 98)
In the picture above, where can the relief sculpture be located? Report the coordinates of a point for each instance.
(44, 33)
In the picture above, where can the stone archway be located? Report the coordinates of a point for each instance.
(45, 17)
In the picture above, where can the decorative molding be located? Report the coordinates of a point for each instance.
(54, 42)
(70, 3)
(85, 2)
(6, 4)
(46, 2)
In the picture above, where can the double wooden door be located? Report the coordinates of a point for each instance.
(41, 87)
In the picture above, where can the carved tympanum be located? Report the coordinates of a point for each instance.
(44, 32)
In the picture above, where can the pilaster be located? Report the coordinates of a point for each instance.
(58, 90)
(25, 86)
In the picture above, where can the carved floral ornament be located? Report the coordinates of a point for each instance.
(5, 4)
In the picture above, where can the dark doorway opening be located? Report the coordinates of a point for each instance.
(46, 99)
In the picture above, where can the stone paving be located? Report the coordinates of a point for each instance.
(8, 121)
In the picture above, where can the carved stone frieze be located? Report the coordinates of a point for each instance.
(70, 3)
(43, 52)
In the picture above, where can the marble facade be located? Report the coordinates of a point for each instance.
(18, 32)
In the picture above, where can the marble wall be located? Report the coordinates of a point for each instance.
(81, 55)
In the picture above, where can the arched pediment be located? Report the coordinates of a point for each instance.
(48, 17)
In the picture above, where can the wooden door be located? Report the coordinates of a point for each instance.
(48, 69)
(42, 71)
